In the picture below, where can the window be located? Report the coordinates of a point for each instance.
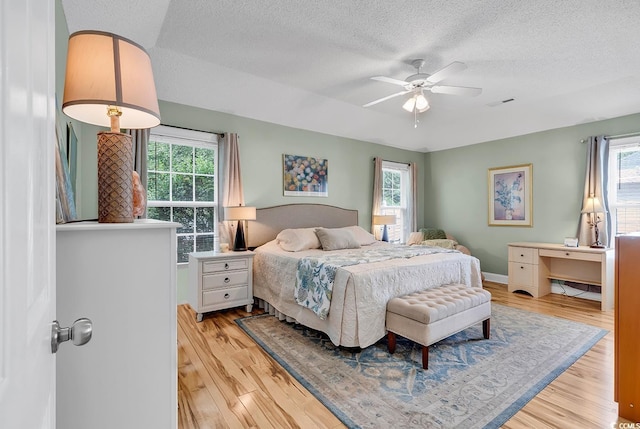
(396, 194)
(182, 185)
(624, 185)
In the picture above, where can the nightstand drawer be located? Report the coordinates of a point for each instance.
(216, 297)
(226, 265)
(521, 254)
(215, 281)
(520, 274)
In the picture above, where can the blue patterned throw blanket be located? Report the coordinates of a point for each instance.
(315, 275)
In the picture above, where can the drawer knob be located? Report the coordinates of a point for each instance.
(521, 267)
(567, 253)
(226, 266)
(521, 255)
(227, 279)
(226, 296)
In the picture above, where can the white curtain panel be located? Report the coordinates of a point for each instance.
(413, 200)
(230, 184)
(596, 186)
(377, 195)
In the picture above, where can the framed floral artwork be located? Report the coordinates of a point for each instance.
(305, 176)
(510, 196)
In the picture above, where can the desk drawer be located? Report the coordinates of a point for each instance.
(225, 265)
(215, 281)
(571, 254)
(522, 254)
(224, 296)
(521, 274)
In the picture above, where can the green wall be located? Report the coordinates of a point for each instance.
(456, 187)
(262, 145)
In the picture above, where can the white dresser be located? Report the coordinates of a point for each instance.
(123, 278)
(220, 280)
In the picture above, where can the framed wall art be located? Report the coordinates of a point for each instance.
(511, 196)
(305, 176)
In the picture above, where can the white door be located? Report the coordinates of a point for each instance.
(27, 222)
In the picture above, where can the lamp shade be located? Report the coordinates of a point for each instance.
(410, 104)
(422, 104)
(240, 213)
(106, 70)
(384, 219)
(593, 205)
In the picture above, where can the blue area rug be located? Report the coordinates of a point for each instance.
(471, 382)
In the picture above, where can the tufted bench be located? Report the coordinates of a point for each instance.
(431, 315)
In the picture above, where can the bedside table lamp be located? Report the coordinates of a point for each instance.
(593, 208)
(241, 214)
(109, 82)
(384, 220)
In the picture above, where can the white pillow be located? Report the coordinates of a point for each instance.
(363, 237)
(295, 240)
(336, 239)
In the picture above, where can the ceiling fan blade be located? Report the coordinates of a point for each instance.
(390, 80)
(456, 90)
(452, 68)
(380, 100)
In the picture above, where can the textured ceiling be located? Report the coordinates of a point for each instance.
(308, 63)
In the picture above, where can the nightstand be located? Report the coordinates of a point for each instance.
(220, 280)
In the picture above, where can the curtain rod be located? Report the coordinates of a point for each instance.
(191, 129)
(620, 136)
(617, 136)
(386, 160)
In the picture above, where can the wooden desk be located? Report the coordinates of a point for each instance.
(532, 266)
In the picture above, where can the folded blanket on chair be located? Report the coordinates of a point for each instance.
(432, 234)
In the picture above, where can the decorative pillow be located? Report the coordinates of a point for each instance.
(414, 238)
(363, 237)
(295, 240)
(336, 239)
(432, 234)
(447, 244)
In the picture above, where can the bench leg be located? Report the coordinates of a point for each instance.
(391, 340)
(425, 357)
(486, 328)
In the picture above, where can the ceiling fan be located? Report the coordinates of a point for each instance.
(419, 82)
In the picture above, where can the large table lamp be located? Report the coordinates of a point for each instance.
(593, 207)
(384, 220)
(240, 214)
(109, 82)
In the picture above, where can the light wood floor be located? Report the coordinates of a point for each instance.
(225, 380)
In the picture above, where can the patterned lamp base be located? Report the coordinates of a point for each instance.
(115, 183)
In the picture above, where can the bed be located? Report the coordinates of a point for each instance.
(356, 315)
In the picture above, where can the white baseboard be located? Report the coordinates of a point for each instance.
(496, 278)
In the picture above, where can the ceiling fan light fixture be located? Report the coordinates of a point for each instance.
(410, 104)
(421, 103)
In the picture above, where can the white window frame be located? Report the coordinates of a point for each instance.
(399, 232)
(191, 138)
(616, 145)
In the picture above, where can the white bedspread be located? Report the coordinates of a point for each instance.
(360, 292)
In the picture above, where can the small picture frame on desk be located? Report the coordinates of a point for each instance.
(571, 242)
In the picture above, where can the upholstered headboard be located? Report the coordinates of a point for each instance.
(271, 220)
